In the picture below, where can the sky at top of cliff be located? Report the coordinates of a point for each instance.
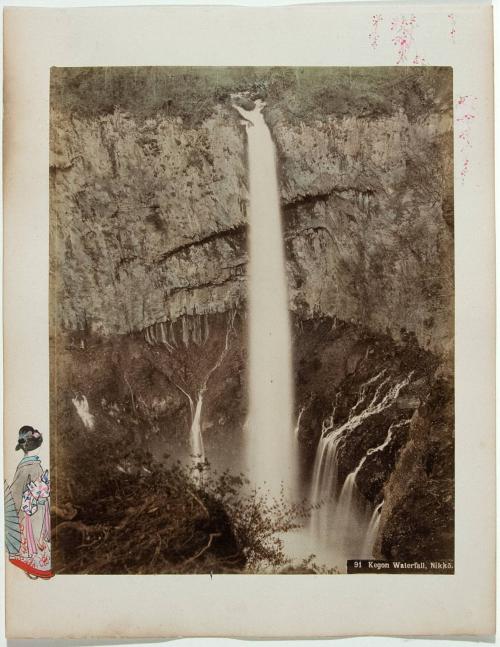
(302, 92)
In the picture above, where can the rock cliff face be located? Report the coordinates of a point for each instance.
(153, 220)
(149, 221)
(368, 210)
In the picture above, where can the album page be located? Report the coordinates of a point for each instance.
(249, 321)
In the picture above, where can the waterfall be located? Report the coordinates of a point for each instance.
(372, 532)
(194, 330)
(324, 482)
(297, 424)
(270, 445)
(195, 436)
(82, 408)
(341, 522)
(351, 516)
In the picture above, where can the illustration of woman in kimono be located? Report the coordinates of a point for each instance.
(27, 510)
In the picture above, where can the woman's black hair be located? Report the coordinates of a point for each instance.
(29, 438)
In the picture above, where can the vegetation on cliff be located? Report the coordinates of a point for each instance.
(303, 93)
(123, 503)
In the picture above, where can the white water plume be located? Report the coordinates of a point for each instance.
(271, 447)
(372, 532)
(350, 481)
(352, 508)
(297, 424)
(192, 332)
(195, 436)
(82, 408)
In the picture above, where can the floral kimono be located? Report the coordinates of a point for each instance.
(28, 544)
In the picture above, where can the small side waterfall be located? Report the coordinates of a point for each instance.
(82, 408)
(372, 532)
(194, 329)
(351, 515)
(325, 477)
(271, 446)
(195, 436)
(297, 424)
(342, 521)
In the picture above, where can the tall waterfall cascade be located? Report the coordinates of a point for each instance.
(271, 445)
(344, 524)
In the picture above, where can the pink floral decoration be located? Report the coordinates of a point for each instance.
(453, 26)
(374, 36)
(418, 60)
(465, 116)
(403, 38)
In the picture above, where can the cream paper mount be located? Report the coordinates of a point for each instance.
(255, 240)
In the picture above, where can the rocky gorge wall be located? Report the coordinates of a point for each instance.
(368, 210)
(153, 220)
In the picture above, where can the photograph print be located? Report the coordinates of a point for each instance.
(252, 320)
